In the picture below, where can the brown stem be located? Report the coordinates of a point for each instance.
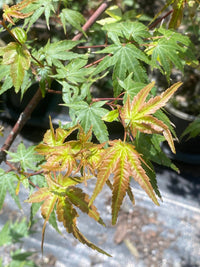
(93, 19)
(54, 92)
(106, 98)
(97, 61)
(24, 116)
(92, 46)
(159, 20)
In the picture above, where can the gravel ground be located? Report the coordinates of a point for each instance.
(145, 235)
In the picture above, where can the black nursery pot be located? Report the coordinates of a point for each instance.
(187, 150)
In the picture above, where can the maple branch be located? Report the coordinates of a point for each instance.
(93, 18)
(24, 116)
(106, 98)
(159, 20)
(54, 92)
(27, 174)
(97, 61)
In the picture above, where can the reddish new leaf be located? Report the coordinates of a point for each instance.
(123, 161)
(14, 11)
(137, 115)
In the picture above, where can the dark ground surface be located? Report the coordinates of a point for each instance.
(145, 235)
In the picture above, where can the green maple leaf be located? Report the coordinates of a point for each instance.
(74, 72)
(19, 59)
(27, 158)
(37, 8)
(129, 30)
(172, 49)
(58, 51)
(5, 77)
(126, 59)
(90, 116)
(74, 18)
(8, 183)
(138, 114)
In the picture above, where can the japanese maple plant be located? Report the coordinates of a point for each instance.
(130, 49)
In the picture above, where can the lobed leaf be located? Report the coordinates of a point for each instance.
(27, 158)
(66, 214)
(137, 114)
(123, 161)
(90, 116)
(81, 200)
(73, 17)
(8, 183)
(19, 59)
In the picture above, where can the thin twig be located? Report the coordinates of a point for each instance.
(54, 92)
(159, 20)
(24, 116)
(93, 19)
(97, 61)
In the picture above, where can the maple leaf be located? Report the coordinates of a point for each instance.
(68, 215)
(27, 158)
(75, 18)
(37, 8)
(14, 11)
(123, 161)
(172, 49)
(90, 116)
(138, 114)
(127, 29)
(54, 52)
(63, 196)
(126, 59)
(19, 59)
(8, 183)
(81, 200)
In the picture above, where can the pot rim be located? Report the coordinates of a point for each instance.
(179, 113)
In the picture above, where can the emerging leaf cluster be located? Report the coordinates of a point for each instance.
(114, 163)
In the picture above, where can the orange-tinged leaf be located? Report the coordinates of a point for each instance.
(46, 210)
(158, 102)
(138, 114)
(109, 159)
(66, 214)
(149, 124)
(60, 159)
(77, 234)
(56, 137)
(123, 161)
(81, 200)
(39, 195)
(140, 98)
(120, 184)
(14, 11)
